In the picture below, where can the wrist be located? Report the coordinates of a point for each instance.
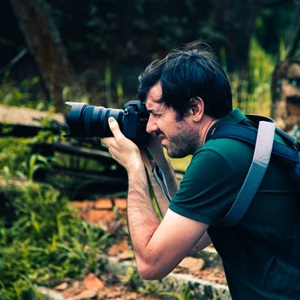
(136, 167)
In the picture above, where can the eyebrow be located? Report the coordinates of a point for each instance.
(157, 111)
(151, 110)
(159, 100)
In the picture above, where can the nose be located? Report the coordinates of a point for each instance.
(151, 125)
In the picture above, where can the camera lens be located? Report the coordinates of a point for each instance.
(91, 121)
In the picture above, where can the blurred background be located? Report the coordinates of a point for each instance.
(97, 49)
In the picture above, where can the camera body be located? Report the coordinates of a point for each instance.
(92, 121)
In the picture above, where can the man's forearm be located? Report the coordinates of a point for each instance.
(142, 218)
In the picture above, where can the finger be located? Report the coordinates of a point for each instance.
(114, 127)
(106, 141)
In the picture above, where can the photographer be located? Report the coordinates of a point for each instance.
(187, 95)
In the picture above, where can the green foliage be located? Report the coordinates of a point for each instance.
(11, 94)
(252, 90)
(22, 94)
(43, 239)
(17, 159)
(68, 95)
(36, 162)
(94, 30)
(14, 152)
(131, 279)
(185, 294)
(36, 223)
(272, 24)
(148, 28)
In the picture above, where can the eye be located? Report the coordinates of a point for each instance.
(156, 115)
(295, 81)
(152, 113)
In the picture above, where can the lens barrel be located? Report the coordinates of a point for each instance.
(91, 121)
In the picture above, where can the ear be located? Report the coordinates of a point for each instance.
(197, 108)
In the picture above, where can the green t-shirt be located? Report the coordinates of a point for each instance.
(207, 191)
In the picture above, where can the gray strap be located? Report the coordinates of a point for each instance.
(158, 175)
(260, 162)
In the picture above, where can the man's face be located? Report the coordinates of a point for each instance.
(180, 138)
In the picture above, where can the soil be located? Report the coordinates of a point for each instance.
(110, 214)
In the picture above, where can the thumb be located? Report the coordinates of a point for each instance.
(114, 126)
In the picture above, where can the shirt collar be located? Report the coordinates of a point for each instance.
(235, 116)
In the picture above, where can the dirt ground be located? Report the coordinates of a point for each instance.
(110, 214)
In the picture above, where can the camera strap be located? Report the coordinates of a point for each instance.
(158, 175)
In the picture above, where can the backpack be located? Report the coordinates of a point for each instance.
(289, 152)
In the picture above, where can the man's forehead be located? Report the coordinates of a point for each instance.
(155, 93)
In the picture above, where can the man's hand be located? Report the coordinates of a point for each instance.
(123, 150)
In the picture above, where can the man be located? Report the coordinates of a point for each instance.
(187, 95)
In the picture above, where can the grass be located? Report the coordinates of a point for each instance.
(41, 238)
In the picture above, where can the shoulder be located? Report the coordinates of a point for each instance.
(211, 181)
(235, 154)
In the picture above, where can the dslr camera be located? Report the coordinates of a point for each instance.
(87, 121)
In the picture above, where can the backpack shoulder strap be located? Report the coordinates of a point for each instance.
(255, 175)
(248, 135)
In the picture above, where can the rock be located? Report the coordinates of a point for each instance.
(92, 282)
(192, 264)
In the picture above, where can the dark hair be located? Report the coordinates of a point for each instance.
(189, 73)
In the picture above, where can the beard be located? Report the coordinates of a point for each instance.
(184, 143)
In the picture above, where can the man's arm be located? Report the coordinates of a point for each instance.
(158, 247)
(171, 180)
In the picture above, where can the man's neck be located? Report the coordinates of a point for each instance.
(208, 122)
